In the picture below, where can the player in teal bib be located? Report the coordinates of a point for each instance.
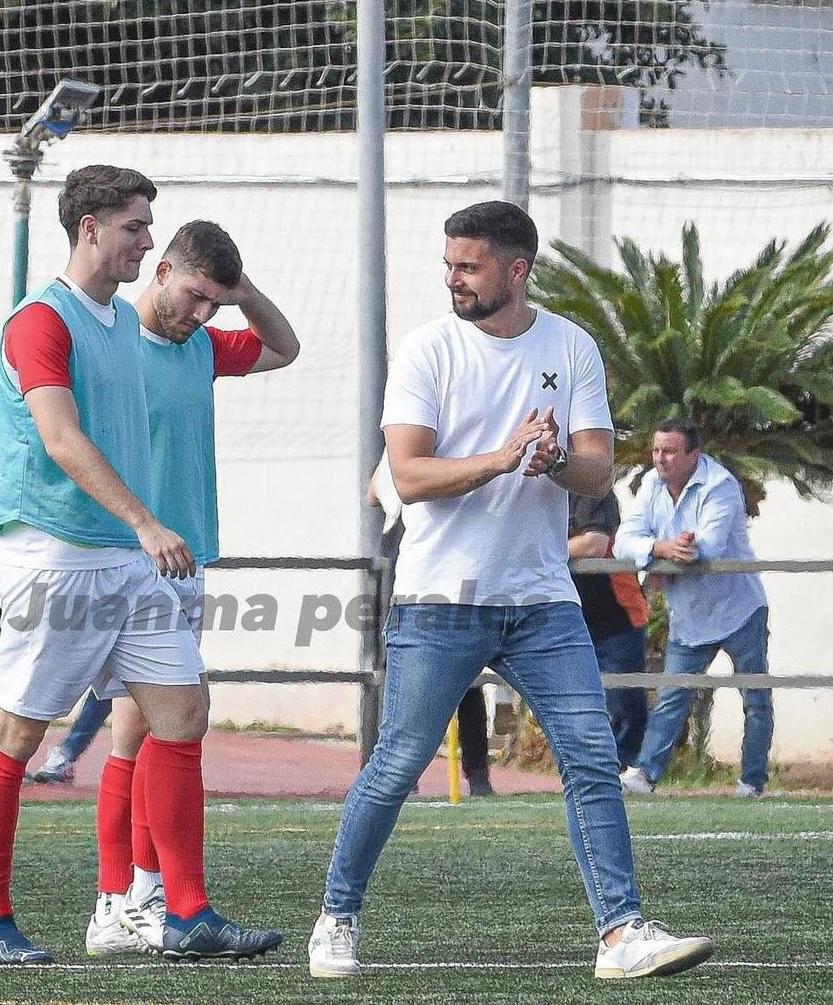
(181, 357)
(77, 530)
(107, 385)
(180, 399)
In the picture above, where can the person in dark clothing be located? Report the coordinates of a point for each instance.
(474, 748)
(616, 613)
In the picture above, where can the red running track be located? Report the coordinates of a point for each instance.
(263, 764)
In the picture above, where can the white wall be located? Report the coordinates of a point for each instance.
(287, 442)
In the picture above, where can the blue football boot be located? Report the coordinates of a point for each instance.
(16, 949)
(210, 936)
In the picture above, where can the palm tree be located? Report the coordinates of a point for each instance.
(749, 359)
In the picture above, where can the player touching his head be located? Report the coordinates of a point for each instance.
(77, 534)
(200, 271)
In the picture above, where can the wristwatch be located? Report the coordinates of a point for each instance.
(557, 464)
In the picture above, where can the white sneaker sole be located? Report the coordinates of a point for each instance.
(672, 961)
(124, 951)
(328, 973)
(637, 789)
(114, 950)
(145, 944)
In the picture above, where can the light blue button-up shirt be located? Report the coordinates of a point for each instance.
(707, 607)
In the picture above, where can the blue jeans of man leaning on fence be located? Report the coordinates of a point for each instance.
(434, 653)
(747, 649)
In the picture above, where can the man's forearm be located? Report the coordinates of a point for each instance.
(270, 325)
(634, 543)
(84, 463)
(588, 544)
(421, 479)
(586, 475)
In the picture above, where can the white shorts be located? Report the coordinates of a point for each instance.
(191, 593)
(64, 631)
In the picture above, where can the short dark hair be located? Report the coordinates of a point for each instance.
(504, 225)
(202, 246)
(686, 428)
(97, 190)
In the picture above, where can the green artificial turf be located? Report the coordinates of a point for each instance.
(490, 884)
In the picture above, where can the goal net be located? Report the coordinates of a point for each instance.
(645, 114)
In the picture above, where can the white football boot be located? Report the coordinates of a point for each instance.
(105, 936)
(145, 917)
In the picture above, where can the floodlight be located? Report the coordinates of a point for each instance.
(64, 109)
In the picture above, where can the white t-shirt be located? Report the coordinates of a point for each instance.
(504, 543)
(26, 547)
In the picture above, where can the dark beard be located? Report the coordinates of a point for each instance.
(164, 313)
(167, 317)
(480, 309)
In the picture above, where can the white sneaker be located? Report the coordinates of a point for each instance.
(647, 949)
(634, 780)
(145, 918)
(56, 768)
(334, 947)
(746, 791)
(106, 937)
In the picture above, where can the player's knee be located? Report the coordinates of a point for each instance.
(127, 740)
(20, 737)
(183, 717)
(195, 720)
(129, 728)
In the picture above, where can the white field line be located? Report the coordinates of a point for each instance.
(417, 806)
(738, 836)
(183, 968)
(690, 836)
(693, 836)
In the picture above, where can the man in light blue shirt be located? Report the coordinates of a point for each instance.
(689, 509)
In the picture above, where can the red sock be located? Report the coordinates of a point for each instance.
(175, 805)
(112, 822)
(11, 777)
(144, 853)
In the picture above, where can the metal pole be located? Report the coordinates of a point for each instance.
(23, 158)
(20, 261)
(372, 690)
(517, 81)
(56, 117)
(372, 319)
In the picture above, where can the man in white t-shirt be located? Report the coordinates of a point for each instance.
(482, 577)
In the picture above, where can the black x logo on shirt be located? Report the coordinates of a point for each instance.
(549, 380)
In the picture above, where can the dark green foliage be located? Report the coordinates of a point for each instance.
(630, 43)
(749, 359)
